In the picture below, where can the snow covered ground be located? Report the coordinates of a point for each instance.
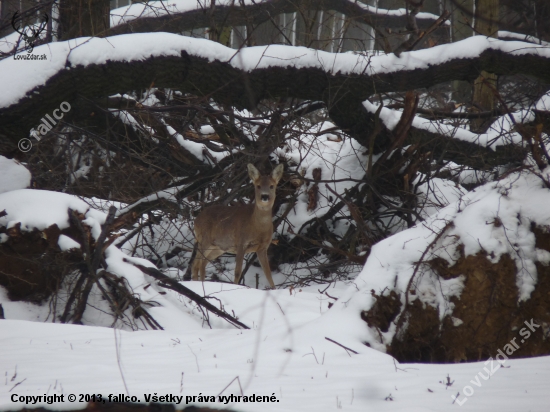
(285, 355)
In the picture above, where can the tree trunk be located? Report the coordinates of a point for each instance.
(83, 18)
(462, 21)
(7, 10)
(486, 24)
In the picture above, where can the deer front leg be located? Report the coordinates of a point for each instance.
(197, 262)
(239, 265)
(264, 262)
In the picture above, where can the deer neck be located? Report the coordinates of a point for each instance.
(262, 215)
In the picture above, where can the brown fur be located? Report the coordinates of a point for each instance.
(238, 229)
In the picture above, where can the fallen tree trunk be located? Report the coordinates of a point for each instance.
(224, 81)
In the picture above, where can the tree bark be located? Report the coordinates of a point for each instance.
(79, 18)
(486, 23)
(462, 22)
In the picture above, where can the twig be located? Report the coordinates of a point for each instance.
(352, 258)
(196, 359)
(229, 384)
(342, 346)
(101, 239)
(312, 353)
(17, 384)
(118, 362)
(198, 299)
(92, 263)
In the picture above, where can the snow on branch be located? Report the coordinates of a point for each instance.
(500, 133)
(508, 35)
(96, 67)
(180, 15)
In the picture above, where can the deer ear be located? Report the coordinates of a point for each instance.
(277, 173)
(253, 172)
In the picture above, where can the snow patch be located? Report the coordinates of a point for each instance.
(66, 243)
(13, 175)
(41, 208)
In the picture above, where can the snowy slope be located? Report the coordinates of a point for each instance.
(299, 367)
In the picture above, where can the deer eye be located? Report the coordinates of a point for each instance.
(259, 187)
(271, 187)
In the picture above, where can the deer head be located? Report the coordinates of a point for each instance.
(264, 186)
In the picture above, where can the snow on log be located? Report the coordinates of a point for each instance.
(95, 67)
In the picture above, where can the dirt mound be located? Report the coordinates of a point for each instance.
(383, 312)
(486, 317)
(32, 265)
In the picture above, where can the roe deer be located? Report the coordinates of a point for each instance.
(238, 229)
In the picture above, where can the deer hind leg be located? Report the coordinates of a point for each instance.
(264, 262)
(201, 260)
(208, 256)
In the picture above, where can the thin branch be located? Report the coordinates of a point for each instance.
(342, 346)
(199, 300)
